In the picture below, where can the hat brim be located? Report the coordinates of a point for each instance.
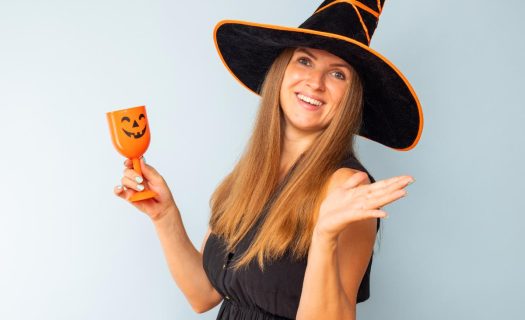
(392, 113)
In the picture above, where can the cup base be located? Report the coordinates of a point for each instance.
(142, 195)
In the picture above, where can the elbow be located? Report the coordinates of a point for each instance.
(200, 308)
(201, 302)
(203, 307)
(335, 317)
(343, 311)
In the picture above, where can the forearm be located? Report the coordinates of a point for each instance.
(185, 262)
(322, 296)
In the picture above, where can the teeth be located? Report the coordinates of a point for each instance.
(309, 100)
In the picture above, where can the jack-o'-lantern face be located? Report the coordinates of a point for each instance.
(134, 128)
(130, 131)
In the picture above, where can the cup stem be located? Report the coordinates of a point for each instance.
(136, 166)
(146, 193)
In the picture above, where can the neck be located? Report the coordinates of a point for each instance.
(294, 144)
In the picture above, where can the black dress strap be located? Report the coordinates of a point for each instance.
(352, 162)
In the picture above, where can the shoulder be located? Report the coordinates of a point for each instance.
(343, 174)
(352, 162)
(338, 178)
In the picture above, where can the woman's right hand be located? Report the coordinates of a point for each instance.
(156, 207)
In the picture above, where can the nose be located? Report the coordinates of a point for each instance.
(135, 124)
(315, 80)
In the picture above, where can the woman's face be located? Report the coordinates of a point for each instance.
(314, 82)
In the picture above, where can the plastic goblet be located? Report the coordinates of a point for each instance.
(130, 135)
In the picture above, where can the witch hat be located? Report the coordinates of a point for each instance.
(392, 113)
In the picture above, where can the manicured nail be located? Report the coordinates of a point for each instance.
(119, 187)
(411, 181)
(140, 187)
(139, 179)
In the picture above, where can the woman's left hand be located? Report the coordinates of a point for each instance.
(354, 201)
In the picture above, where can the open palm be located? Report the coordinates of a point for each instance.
(353, 201)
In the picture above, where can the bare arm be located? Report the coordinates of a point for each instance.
(342, 243)
(334, 272)
(184, 261)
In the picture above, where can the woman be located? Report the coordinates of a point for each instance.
(293, 225)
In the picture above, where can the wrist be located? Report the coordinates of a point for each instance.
(166, 217)
(323, 240)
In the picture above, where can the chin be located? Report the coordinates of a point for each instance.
(307, 128)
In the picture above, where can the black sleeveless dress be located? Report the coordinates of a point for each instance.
(250, 294)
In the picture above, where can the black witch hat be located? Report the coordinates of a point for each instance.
(392, 113)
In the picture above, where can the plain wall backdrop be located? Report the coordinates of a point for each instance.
(70, 249)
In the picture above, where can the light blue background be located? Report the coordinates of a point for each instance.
(69, 249)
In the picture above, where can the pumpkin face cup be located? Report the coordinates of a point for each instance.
(130, 135)
(129, 131)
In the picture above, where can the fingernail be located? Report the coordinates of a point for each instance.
(139, 179)
(411, 181)
(119, 187)
(140, 187)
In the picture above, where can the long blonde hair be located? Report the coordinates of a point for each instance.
(240, 198)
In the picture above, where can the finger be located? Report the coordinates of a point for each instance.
(373, 191)
(394, 186)
(389, 182)
(385, 199)
(360, 215)
(375, 214)
(402, 182)
(131, 184)
(121, 191)
(382, 187)
(133, 175)
(150, 173)
(128, 163)
(118, 189)
(354, 180)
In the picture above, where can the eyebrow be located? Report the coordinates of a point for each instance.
(315, 58)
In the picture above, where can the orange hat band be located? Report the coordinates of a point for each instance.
(355, 3)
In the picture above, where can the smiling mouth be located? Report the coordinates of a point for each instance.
(135, 135)
(309, 103)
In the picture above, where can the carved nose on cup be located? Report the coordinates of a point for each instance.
(135, 124)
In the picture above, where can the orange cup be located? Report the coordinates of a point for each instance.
(130, 135)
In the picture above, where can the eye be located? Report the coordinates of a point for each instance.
(125, 119)
(339, 75)
(141, 116)
(305, 61)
